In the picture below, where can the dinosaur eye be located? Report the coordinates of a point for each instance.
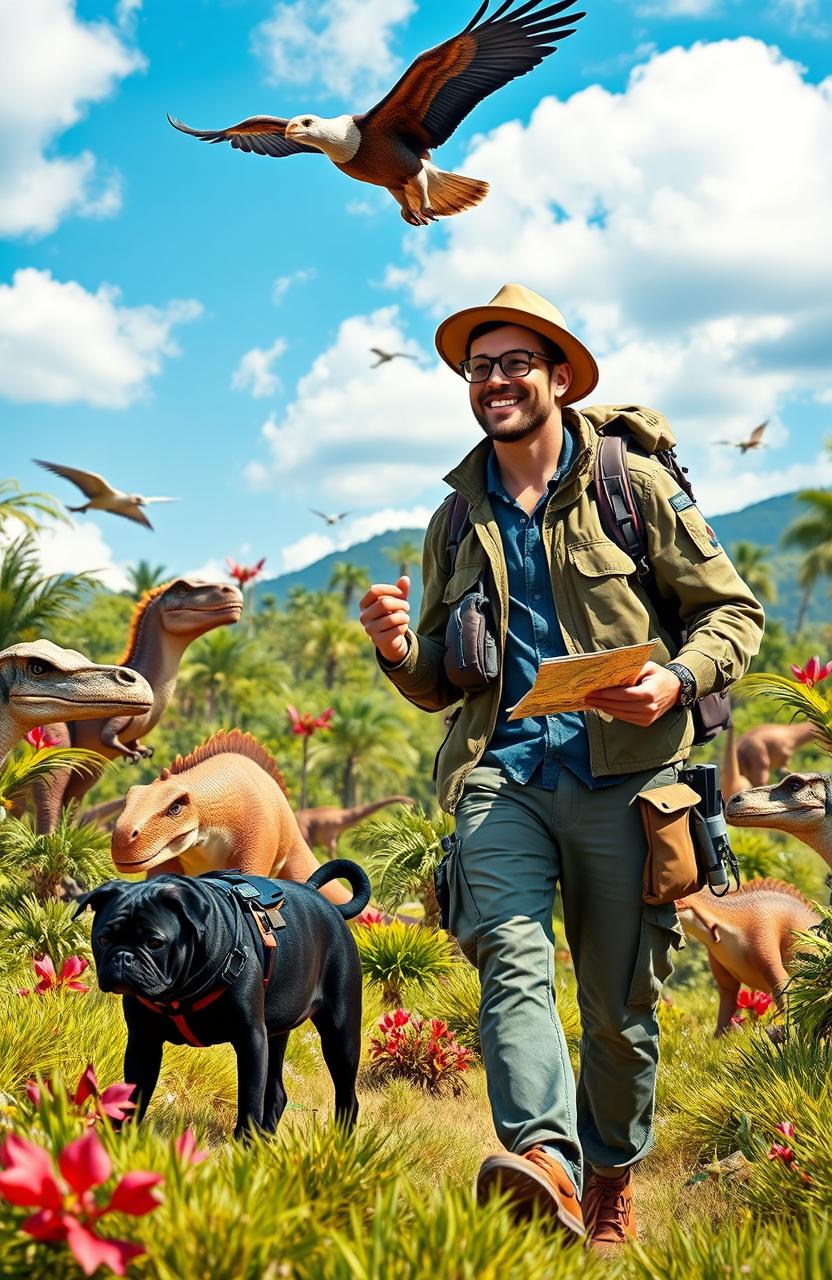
(175, 808)
(37, 667)
(795, 784)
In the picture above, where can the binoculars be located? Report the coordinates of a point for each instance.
(710, 834)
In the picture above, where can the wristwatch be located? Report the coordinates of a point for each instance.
(687, 693)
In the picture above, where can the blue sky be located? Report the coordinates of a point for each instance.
(196, 322)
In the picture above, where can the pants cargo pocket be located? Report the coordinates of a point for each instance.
(463, 917)
(661, 935)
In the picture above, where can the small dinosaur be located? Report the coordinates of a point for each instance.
(324, 825)
(731, 778)
(769, 746)
(41, 683)
(749, 935)
(800, 804)
(222, 806)
(165, 621)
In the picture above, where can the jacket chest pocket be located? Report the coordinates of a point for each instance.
(603, 581)
(464, 579)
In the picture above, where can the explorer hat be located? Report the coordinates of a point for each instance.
(515, 304)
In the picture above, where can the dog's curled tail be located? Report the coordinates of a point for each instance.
(356, 877)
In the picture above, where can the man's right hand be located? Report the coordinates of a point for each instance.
(385, 616)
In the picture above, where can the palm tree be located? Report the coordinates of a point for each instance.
(31, 604)
(751, 563)
(367, 735)
(330, 642)
(812, 533)
(144, 577)
(26, 507)
(350, 578)
(219, 662)
(405, 554)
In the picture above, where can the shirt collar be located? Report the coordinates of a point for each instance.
(494, 482)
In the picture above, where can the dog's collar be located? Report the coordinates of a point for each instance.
(262, 920)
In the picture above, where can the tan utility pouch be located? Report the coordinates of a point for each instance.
(671, 869)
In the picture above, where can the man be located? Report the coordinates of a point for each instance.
(552, 800)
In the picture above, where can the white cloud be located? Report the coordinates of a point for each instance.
(314, 546)
(343, 45)
(355, 436)
(60, 344)
(127, 13)
(211, 571)
(255, 373)
(679, 8)
(693, 258)
(54, 66)
(79, 547)
(283, 284)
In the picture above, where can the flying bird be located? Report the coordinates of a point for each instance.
(385, 356)
(330, 519)
(102, 496)
(389, 146)
(754, 441)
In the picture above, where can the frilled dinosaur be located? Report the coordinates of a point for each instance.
(749, 935)
(223, 805)
(324, 825)
(41, 683)
(165, 621)
(769, 747)
(800, 804)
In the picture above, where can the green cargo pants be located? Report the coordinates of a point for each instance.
(516, 843)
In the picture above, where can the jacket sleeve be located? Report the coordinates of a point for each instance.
(723, 618)
(420, 676)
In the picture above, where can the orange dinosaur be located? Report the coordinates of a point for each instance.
(731, 778)
(324, 825)
(749, 935)
(769, 746)
(223, 805)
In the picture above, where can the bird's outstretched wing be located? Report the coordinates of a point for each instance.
(757, 434)
(90, 484)
(377, 351)
(322, 514)
(136, 514)
(439, 89)
(264, 134)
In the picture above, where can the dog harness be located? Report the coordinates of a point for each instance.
(256, 903)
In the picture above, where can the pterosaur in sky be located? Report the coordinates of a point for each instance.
(102, 496)
(754, 441)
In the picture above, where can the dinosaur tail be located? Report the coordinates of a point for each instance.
(356, 877)
(451, 192)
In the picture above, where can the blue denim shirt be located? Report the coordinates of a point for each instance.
(533, 750)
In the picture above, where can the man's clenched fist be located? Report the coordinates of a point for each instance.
(385, 616)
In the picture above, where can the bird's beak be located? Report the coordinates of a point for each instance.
(292, 129)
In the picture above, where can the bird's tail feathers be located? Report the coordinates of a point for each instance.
(452, 192)
(85, 507)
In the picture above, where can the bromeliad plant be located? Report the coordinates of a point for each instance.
(421, 1050)
(801, 696)
(395, 955)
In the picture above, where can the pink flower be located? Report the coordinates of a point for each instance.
(66, 1209)
(776, 1152)
(369, 916)
(304, 725)
(786, 1128)
(114, 1102)
(39, 738)
(813, 672)
(243, 574)
(185, 1148)
(737, 1020)
(71, 970)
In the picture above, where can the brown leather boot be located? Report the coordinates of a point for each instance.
(608, 1210)
(534, 1178)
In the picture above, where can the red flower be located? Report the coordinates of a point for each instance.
(786, 1128)
(776, 1152)
(39, 738)
(114, 1102)
(185, 1148)
(369, 916)
(304, 725)
(71, 969)
(243, 573)
(813, 672)
(757, 1002)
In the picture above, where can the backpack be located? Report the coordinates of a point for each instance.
(623, 524)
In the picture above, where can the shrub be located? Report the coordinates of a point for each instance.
(455, 998)
(402, 854)
(753, 1251)
(41, 862)
(395, 954)
(810, 990)
(30, 927)
(420, 1050)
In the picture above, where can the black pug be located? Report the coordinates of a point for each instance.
(210, 960)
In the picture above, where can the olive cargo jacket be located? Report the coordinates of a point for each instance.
(600, 603)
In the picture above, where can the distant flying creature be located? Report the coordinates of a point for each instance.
(102, 496)
(754, 441)
(384, 356)
(389, 146)
(330, 519)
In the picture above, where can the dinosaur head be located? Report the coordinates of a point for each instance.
(798, 804)
(41, 683)
(157, 822)
(190, 607)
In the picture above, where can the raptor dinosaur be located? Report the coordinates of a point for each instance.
(41, 683)
(800, 804)
(769, 746)
(323, 826)
(222, 806)
(749, 935)
(166, 620)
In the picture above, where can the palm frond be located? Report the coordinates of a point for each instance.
(20, 770)
(810, 990)
(402, 853)
(810, 704)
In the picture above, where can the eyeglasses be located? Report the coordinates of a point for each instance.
(514, 364)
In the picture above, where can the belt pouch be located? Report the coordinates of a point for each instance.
(670, 870)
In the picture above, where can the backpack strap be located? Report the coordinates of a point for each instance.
(460, 518)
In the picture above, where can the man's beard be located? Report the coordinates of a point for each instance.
(533, 414)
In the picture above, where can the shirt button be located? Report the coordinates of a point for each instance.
(537, 596)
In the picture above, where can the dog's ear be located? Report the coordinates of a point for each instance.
(183, 895)
(99, 897)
